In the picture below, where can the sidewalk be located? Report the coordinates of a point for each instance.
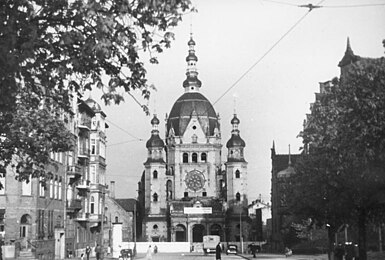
(282, 256)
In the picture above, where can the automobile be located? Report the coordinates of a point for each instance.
(210, 242)
(232, 249)
(125, 254)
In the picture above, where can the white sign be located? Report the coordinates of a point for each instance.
(198, 210)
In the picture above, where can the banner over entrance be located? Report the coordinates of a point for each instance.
(198, 210)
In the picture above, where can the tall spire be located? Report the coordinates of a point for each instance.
(191, 83)
(349, 56)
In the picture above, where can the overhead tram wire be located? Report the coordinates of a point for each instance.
(124, 130)
(348, 6)
(124, 142)
(311, 7)
(324, 6)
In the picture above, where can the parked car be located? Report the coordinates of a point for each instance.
(209, 243)
(125, 254)
(232, 249)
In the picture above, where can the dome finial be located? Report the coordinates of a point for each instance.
(235, 103)
(191, 83)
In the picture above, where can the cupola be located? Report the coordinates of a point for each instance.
(236, 144)
(155, 140)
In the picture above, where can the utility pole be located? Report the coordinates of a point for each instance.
(134, 228)
(240, 229)
(102, 224)
(380, 237)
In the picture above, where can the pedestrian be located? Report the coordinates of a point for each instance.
(98, 250)
(349, 251)
(339, 252)
(218, 251)
(88, 252)
(149, 253)
(155, 249)
(253, 249)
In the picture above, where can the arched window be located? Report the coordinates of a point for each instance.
(185, 157)
(204, 157)
(155, 174)
(194, 157)
(92, 205)
(237, 174)
(169, 190)
(116, 219)
(194, 139)
(155, 197)
(155, 227)
(238, 196)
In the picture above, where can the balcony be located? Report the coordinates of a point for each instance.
(82, 216)
(83, 185)
(74, 204)
(84, 123)
(83, 152)
(74, 171)
(98, 158)
(95, 217)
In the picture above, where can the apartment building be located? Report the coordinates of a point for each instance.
(62, 218)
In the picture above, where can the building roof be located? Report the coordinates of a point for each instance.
(95, 106)
(349, 56)
(154, 141)
(281, 161)
(235, 141)
(189, 104)
(126, 204)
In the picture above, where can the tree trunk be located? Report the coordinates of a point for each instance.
(362, 234)
(331, 243)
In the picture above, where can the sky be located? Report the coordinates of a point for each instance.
(246, 66)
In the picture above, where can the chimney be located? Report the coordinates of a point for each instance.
(112, 190)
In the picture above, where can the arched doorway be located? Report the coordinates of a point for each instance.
(180, 233)
(198, 232)
(25, 231)
(216, 229)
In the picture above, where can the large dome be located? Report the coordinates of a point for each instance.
(188, 104)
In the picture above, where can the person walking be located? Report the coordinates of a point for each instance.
(98, 250)
(218, 251)
(149, 253)
(88, 252)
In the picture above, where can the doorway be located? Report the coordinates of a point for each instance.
(198, 232)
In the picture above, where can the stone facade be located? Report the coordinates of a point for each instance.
(61, 219)
(186, 190)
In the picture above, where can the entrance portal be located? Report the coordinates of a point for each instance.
(180, 234)
(198, 232)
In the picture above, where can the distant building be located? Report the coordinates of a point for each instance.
(186, 190)
(120, 212)
(260, 213)
(282, 168)
(65, 216)
(283, 165)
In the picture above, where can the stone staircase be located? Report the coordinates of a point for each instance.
(26, 255)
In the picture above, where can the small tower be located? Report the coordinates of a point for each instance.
(236, 167)
(155, 192)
